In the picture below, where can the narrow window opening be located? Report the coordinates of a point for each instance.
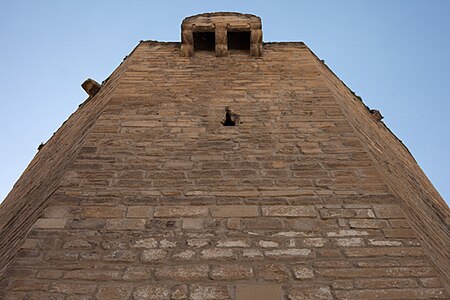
(204, 41)
(228, 121)
(238, 40)
(230, 118)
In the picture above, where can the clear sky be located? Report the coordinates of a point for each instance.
(394, 54)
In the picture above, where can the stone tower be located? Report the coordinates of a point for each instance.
(222, 167)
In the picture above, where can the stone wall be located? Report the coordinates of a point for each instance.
(427, 211)
(164, 202)
(41, 178)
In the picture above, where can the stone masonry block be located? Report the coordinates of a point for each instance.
(164, 243)
(136, 273)
(268, 244)
(28, 285)
(126, 224)
(346, 213)
(367, 223)
(233, 243)
(399, 233)
(272, 272)
(133, 224)
(289, 211)
(302, 272)
(184, 254)
(30, 244)
(347, 232)
(231, 272)
(314, 242)
(183, 273)
(310, 293)
(73, 288)
(216, 253)
(85, 224)
(252, 254)
(374, 272)
(286, 253)
(49, 224)
(180, 292)
(350, 242)
(431, 282)
(202, 292)
(388, 211)
(93, 275)
(234, 211)
(287, 193)
(153, 255)
(234, 223)
(139, 212)
(399, 223)
(61, 256)
(307, 224)
(180, 211)
(56, 212)
(256, 291)
(103, 212)
(408, 293)
(385, 251)
(178, 165)
(192, 223)
(342, 284)
(198, 243)
(78, 244)
(50, 274)
(375, 242)
(114, 292)
(151, 292)
(120, 256)
(380, 283)
(263, 223)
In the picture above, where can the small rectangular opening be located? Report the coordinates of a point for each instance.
(238, 40)
(204, 41)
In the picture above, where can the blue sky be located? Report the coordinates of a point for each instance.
(394, 54)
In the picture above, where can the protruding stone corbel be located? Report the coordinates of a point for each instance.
(91, 87)
(376, 115)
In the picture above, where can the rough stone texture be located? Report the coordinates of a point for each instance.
(151, 197)
(303, 272)
(202, 292)
(231, 272)
(151, 292)
(427, 212)
(113, 292)
(309, 293)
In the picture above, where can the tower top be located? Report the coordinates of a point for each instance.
(221, 32)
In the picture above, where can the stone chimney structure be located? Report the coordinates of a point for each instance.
(221, 32)
(223, 167)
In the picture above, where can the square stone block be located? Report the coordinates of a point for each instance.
(258, 292)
